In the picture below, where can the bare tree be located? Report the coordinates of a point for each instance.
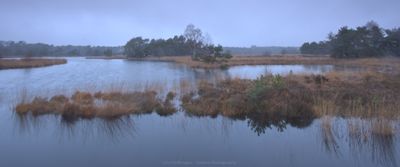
(207, 40)
(194, 37)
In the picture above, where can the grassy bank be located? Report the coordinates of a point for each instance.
(29, 63)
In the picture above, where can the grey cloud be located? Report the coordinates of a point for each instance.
(229, 22)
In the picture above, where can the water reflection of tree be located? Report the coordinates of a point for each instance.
(259, 122)
(212, 75)
(319, 68)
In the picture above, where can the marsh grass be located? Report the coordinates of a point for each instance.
(265, 102)
(270, 100)
(167, 107)
(29, 63)
(367, 94)
(107, 105)
(297, 99)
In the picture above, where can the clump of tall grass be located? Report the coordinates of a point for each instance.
(100, 104)
(238, 98)
(167, 107)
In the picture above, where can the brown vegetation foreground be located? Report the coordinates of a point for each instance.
(29, 63)
(300, 96)
(299, 99)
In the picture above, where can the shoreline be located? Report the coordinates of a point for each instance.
(385, 63)
(22, 63)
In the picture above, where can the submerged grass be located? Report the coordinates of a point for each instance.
(29, 63)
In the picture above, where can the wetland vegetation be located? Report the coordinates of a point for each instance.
(173, 99)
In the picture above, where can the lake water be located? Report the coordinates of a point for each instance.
(177, 140)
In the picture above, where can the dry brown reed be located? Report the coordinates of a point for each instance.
(99, 104)
(366, 94)
(29, 63)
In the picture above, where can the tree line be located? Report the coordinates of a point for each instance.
(262, 50)
(193, 42)
(369, 40)
(23, 49)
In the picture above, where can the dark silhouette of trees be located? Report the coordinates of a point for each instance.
(320, 48)
(191, 43)
(392, 42)
(176, 46)
(365, 41)
(23, 49)
(108, 53)
(137, 47)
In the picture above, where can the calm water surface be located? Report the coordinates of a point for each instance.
(177, 140)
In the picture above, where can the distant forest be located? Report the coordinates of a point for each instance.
(262, 51)
(23, 49)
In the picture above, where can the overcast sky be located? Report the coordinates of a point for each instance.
(228, 22)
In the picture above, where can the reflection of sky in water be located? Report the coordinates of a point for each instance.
(90, 74)
(252, 72)
(153, 140)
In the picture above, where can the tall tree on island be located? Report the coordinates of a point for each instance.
(194, 37)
